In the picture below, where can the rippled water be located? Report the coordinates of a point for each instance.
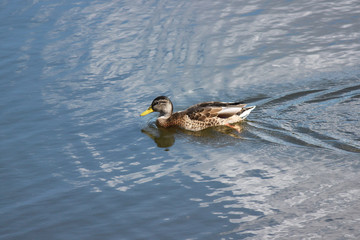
(77, 161)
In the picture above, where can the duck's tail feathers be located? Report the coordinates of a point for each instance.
(247, 111)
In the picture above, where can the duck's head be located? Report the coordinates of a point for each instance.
(161, 104)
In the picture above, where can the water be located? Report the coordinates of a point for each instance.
(77, 161)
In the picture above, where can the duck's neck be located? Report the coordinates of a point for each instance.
(163, 120)
(165, 115)
(166, 111)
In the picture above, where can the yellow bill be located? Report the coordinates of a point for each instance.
(149, 110)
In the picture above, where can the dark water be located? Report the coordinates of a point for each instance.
(77, 161)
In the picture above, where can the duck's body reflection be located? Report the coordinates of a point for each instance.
(165, 137)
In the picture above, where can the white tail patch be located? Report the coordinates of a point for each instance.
(247, 112)
(230, 110)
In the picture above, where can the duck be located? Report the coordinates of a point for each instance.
(200, 116)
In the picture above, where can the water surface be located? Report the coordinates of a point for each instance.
(77, 161)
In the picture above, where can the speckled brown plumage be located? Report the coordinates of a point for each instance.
(199, 116)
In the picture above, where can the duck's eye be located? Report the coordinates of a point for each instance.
(160, 102)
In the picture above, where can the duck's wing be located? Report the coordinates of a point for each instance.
(218, 104)
(211, 110)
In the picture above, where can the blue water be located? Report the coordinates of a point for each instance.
(78, 162)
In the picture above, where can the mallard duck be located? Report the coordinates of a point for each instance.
(199, 116)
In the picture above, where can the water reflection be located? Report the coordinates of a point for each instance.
(165, 137)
